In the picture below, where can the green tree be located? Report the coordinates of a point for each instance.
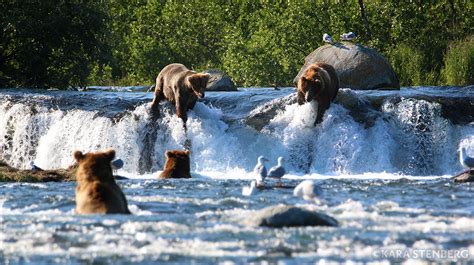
(50, 43)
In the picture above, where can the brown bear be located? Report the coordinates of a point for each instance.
(319, 82)
(176, 165)
(180, 86)
(96, 191)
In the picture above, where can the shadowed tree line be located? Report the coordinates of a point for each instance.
(258, 43)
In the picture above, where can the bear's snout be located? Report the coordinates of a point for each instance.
(200, 94)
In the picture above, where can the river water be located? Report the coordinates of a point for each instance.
(383, 159)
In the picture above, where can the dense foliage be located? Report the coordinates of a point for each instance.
(258, 43)
(50, 43)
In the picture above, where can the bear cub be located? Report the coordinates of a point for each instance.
(96, 190)
(177, 165)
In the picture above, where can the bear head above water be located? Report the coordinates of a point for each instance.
(96, 190)
(177, 165)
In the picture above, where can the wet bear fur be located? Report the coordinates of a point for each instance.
(319, 82)
(96, 190)
(181, 86)
(177, 165)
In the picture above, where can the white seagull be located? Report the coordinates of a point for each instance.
(309, 191)
(327, 38)
(249, 191)
(260, 170)
(277, 171)
(348, 36)
(466, 161)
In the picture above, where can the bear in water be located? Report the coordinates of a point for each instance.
(180, 86)
(96, 191)
(176, 165)
(319, 82)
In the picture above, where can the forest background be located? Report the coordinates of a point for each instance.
(63, 44)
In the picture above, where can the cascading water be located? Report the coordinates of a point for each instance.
(407, 135)
(378, 156)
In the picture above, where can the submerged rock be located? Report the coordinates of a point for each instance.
(219, 81)
(357, 66)
(466, 176)
(289, 216)
(11, 174)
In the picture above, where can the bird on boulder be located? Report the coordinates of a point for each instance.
(348, 36)
(260, 170)
(277, 171)
(34, 168)
(466, 161)
(327, 38)
(309, 191)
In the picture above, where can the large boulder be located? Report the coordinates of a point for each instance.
(289, 216)
(357, 66)
(219, 81)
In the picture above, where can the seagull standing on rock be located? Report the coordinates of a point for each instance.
(348, 36)
(327, 38)
(260, 170)
(277, 171)
(309, 191)
(466, 161)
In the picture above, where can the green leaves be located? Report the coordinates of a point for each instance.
(258, 43)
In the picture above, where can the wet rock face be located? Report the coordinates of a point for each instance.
(357, 66)
(289, 216)
(219, 81)
(466, 176)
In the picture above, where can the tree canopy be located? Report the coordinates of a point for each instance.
(257, 43)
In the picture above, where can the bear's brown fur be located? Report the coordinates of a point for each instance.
(319, 82)
(96, 191)
(180, 86)
(176, 165)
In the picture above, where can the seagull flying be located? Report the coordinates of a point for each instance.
(249, 191)
(277, 171)
(260, 170)
(327, 38)
(308, 190)
(466, 161)
(348, 36)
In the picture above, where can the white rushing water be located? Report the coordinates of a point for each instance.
(408, 137)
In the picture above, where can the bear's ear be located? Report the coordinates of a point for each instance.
(169, 153)
(187, 152)
(110, 153)
(78, 155)
(198, 80)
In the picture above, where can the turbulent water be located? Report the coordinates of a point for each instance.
(381, 157)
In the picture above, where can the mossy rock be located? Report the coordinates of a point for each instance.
(11, 174)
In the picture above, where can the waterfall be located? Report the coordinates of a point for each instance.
(405, 135)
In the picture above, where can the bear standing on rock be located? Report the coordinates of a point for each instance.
(180, 86)
(318, 82)
(96, 191)
(177, 165)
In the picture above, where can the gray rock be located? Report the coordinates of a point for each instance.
(357, 66)
(466, 176)
(219, 81)
(289, 216)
